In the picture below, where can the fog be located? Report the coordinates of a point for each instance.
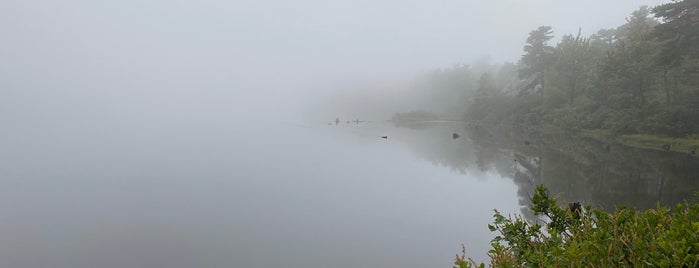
(177, 133)
(272, 54)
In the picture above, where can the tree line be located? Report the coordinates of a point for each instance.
(641, 77)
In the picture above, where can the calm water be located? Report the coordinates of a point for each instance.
(242, 193)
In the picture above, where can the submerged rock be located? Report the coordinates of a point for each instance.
(666, 147)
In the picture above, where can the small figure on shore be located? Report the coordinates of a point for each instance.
(455, 135)
(337, 120)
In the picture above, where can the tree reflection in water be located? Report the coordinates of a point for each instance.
(605, 175)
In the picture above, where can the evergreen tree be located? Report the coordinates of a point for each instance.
(679, 31)
(536, 60)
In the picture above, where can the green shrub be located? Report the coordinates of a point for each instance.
(574, 237)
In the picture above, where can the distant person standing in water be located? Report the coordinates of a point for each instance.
(337, 121)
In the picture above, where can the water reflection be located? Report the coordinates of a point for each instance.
(601, 174)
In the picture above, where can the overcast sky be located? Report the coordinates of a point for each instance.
(265, 50)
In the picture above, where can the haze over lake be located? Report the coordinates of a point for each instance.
(225, 192)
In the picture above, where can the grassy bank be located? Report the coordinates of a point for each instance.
(652, 142)
(647, 141)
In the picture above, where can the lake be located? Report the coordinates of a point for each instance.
(178, 191)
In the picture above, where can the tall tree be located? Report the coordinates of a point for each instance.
(679, 36)
(604, 40)
(573, 69)
(679, 31)
(633, 67)
(536, 60)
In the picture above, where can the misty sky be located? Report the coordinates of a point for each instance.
(271, 51)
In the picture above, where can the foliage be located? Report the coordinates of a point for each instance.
(678, 33)
(572, 72)
(640, 78)
(537, 59)
(573, 236)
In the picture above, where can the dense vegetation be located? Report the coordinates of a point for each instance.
(575, 236)
(639, 78)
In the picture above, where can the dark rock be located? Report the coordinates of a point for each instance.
(666, 147)
(575, 209)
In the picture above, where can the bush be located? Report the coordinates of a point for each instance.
(576, 236)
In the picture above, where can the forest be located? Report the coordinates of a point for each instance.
(637, 83)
